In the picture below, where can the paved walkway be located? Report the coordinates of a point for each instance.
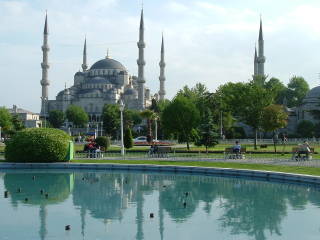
(267, 161)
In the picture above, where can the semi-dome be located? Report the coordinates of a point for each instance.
(108, 63)
(313, 95)
(130, 91)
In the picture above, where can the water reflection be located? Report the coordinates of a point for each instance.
(245, 207)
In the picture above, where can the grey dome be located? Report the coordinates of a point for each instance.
(79, 74)
(108, 63)
(130, 91)
(313, 95)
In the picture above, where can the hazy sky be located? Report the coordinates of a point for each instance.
(209, 41)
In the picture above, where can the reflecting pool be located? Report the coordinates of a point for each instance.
(139, 205)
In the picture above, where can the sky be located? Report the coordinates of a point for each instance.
(207, 41)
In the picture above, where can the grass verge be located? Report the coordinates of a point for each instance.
(285, 169)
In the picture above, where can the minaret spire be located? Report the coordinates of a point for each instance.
(45, 66)
(255, 62)
(84, 60)
(141, 63)
(261, 57)
(162, 77)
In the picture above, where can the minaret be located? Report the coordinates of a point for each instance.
(261, 58)
(141, 63)
(255, 62)
(84, 60)
(45, 66)
(162, 77)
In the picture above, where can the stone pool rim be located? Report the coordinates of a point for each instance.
(232, 172)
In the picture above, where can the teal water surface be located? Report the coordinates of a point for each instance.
(117, 205)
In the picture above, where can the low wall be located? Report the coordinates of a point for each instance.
(266, 175)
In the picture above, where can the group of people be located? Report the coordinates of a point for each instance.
(92, 148)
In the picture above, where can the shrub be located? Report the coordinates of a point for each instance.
(128, 141)
(103, 142)
(38, 145)
(305, 129)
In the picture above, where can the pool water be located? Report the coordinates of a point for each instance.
(135, 205)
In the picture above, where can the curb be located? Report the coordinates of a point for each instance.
(266, 175)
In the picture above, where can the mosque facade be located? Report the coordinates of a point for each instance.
(106, 82)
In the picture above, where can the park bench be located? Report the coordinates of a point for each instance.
(303, 156)
(229, 154)
(159, 151)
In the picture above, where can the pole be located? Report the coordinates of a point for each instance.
(122, 145)
(156, 130)
(221, 132)
(0, 134)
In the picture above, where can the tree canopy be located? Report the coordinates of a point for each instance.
(56, 118)
(77, 115)
(180, 117)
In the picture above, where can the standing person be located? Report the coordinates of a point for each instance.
(284, 140)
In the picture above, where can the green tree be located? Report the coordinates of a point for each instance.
(111, 119)
(5, 119)
(277, 88)
(77, 115)
(131, 118)
(149, 115)
(180, 117)
(306, 129)
(273, 118)
(128, 141)
(207, 132)
(56, 118)
(17, 123)
(103, 142)
(297, 90)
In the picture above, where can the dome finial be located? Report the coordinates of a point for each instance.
(108, 56)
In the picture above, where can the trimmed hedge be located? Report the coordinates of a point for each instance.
(103, 141)
(38, 145)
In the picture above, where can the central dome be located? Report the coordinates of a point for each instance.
(313, 95)
(108, 63)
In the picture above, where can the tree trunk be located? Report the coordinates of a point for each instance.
(274, 142)
(188, 147)
(255, 139)
(149, 130)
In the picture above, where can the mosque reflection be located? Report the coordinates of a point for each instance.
(249, 207)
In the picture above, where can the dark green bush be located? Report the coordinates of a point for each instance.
(103, 142)
(38, 145)
(128, 141)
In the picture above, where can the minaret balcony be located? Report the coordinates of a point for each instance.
(45, 65)
(141, 62)
(141, 44)
(45, 48)
(45, 82)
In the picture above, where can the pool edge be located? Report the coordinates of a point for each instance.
(263, 174)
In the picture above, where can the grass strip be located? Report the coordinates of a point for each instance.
(275, 168)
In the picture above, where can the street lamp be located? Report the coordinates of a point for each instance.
(156, 128)
(121, 107)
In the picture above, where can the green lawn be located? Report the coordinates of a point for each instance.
(286, 169)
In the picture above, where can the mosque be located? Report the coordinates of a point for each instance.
(106, 82)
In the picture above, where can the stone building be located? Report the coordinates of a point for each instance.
(29, 119)
(105, 82)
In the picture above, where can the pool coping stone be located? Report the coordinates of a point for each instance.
(267, 175)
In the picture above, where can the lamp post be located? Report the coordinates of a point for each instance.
(0, 134)
(121, 107)
(156, 129)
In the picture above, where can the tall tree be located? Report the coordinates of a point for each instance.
(207, 131)
(273, 118)
(297, 90)
(5, 119)
(77, 115)
(149, 115)
(17, 123)
(128, 141)
(278, 89)
(180, 117)
(111, 119)
(56, 118)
